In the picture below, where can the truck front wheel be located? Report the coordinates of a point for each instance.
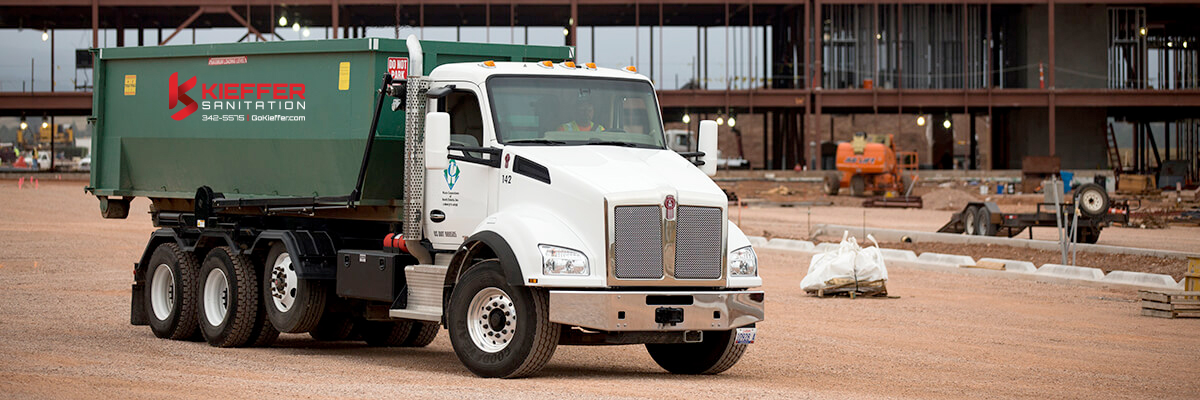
(171, 292)
(713, 355)
(497, 330)
(293, 305)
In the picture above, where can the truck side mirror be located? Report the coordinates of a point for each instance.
(708, 146)
(437, 139)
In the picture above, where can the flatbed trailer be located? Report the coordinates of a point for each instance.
(1095, 212)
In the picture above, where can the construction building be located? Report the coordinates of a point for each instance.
(968, 84)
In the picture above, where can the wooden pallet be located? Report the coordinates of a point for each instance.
(852, 288)
(1170, 303)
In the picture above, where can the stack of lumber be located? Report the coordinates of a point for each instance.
(852, 288)
(1170, 303)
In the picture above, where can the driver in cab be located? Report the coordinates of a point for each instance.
(584, 113)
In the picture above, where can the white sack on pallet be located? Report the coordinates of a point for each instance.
(846, 261)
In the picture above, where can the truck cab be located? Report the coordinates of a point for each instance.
(564, 172)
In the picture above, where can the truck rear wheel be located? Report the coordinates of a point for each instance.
(293, 305)
(229, 299)
(384, 333)
(333, 327)
(264, 333)
(858, 185)
(171, 292)
(422, 334)
(497, 330)
(713, 355)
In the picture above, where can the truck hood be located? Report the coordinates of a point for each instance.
(614, 169)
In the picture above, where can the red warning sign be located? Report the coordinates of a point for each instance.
(398, 67)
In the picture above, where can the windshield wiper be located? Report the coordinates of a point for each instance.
(611, 143)
(536, 141)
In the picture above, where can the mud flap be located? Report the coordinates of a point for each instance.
(137, 305)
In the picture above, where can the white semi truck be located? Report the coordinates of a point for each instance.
(540, 206)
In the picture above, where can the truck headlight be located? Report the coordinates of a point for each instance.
(563, 261)
(743, 262)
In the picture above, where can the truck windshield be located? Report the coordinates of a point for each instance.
(575, 111)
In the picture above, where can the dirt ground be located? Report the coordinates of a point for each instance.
(65, 333)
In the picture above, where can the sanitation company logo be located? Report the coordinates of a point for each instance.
(177, 93)
(256, 102)
(451, 174)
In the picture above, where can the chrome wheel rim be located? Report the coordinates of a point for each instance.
(216, 297)
(491, 320)
(162, 292)
(284, 282)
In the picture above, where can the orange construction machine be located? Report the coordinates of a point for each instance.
(868, 164)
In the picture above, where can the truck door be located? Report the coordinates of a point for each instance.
(457, 198)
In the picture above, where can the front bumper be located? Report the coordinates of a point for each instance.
(637, 310)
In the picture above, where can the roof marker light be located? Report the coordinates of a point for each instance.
(591, 65)
(489, 64)
(569, 64)
(631, 69)
(547, 64)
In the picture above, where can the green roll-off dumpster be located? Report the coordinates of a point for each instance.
(259, 120)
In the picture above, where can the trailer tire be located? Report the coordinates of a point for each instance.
(170, 292)
(422, 334)
(384, 333)
(228, 299)
(484, 299)
(969, 217)
(833, 183)
(1088, 235)
(332, 327)
(983, 222)
(293, 305)
(858, 185)
(713, 355)
(1092, 199)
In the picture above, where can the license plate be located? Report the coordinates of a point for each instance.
(745, 335)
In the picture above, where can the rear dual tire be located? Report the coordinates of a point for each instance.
(231, 314)
(170, 292)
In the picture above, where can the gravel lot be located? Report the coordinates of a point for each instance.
(65, 333)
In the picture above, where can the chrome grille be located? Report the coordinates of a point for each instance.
(698, 243)
(637, 242)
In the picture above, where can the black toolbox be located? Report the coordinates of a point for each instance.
(370, 274)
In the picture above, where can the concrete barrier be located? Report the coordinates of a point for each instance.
(789, 244)
(1071, 271)
(1013, 265)
(899, 255)
(894, 235)
(757, 241)
(824, 247)
(952, 259)
(1141, 279)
